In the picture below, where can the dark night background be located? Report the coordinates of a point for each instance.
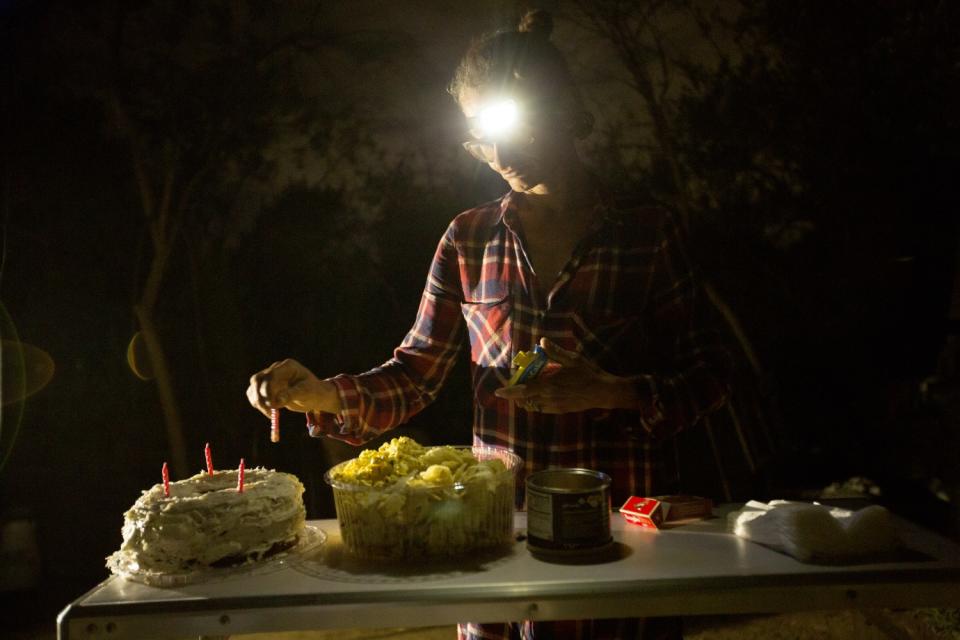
(238, 182)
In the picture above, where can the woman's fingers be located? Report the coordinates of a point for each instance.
(558, 354)
(269, 389)
(253, 398)
(544, 404)
(560, 389)
(516, 392)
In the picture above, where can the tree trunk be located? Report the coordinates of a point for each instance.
(168, 402)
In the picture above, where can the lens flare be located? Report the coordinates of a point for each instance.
(24, 370)
(138, 358)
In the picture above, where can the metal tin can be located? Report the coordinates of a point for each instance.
(568, 511)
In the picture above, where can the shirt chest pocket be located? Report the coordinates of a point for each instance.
(489, 325)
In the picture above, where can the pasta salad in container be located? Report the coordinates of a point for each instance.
(407, 501)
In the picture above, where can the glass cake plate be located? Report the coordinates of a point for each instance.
(311, 540)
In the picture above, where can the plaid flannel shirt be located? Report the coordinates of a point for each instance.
(627, 300)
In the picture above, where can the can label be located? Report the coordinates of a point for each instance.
(568, 509)
(539, 515)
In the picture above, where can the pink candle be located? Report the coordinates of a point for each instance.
(209, 457)
(240, 477)
(274, 425)
(166, 480)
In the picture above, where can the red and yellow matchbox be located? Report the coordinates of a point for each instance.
(654, 513)
(643, 511)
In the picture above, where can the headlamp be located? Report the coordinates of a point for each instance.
(499, 120)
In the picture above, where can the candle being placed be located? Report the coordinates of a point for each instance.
(209, 458)
(274, 425)
(240, 477)
(166, 480)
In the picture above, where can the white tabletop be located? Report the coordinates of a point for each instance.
(693, 569)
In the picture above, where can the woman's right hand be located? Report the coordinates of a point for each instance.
(290, 385)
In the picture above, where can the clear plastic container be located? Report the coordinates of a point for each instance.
(400, 522)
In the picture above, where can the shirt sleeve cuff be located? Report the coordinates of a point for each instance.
(344, 425)
(649, 404)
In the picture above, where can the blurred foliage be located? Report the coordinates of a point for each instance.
(811, 149)
(944, 622)
(824, 159)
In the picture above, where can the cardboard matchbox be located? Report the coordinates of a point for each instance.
(654, 513)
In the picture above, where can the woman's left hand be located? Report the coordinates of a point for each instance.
(570, 383)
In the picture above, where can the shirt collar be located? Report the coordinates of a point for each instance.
(509, 209)
(605, 209)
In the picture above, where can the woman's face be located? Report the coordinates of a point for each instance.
(531, 161)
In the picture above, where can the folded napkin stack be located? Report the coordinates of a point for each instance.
(816, 533)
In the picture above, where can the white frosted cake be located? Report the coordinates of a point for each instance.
(205, 522)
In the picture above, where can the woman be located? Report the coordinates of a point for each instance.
(602, 284)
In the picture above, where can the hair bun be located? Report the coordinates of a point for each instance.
(537, 22)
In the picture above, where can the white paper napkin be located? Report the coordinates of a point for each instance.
(814, 532)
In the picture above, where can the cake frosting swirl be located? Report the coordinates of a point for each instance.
(205, 522)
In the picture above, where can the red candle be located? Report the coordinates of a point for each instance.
(209, 457)
(240, 477)
(274, 425)
(166, 480)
